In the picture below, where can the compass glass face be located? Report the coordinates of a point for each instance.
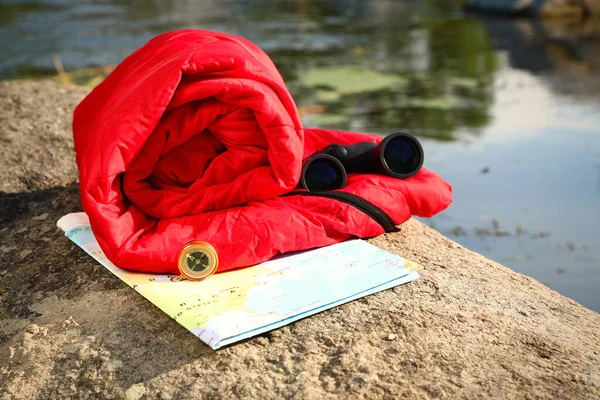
(197, 261)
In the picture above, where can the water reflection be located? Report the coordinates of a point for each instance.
(419, 68)
(426, 76)
(430, 84)
(548, 45)
(431, 68)
(565, 53)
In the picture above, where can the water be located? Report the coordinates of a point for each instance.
(507, 110)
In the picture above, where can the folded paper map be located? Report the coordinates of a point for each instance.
(236, 305)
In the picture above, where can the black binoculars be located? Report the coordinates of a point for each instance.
(399, 155)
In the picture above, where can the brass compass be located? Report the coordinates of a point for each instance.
(197, 261)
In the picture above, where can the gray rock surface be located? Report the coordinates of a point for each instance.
(541, 8)
(592, 6)
(468, 328)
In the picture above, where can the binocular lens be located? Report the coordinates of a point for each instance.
(323, 173)
(402, 155)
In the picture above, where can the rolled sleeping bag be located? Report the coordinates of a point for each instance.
(195, 137)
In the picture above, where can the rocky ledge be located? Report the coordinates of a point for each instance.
(537, 8)
(468, 328)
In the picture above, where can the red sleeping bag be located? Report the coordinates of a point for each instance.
(195, 137)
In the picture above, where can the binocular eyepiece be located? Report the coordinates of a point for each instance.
(399, 155)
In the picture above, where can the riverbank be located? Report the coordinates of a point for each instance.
(468, 327)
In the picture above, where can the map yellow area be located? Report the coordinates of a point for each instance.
(235, 305)
(192, 304)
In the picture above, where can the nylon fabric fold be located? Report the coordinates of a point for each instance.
(195, 137)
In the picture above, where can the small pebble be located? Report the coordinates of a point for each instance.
(6, 249)
(70, 322)
(392, 336)
(277, 333)
(135, 392)
(25, 253)
(33, 329)
(41, 217)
